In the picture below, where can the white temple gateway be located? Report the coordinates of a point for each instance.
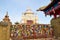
(29, 17)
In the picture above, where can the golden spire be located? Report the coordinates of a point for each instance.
(6, 18)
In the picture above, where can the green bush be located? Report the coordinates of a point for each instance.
(56, 26)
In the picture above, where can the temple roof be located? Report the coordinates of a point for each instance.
(3, 23)
(42, 8)
(53, 2)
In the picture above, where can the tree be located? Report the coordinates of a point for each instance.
(56, 26)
